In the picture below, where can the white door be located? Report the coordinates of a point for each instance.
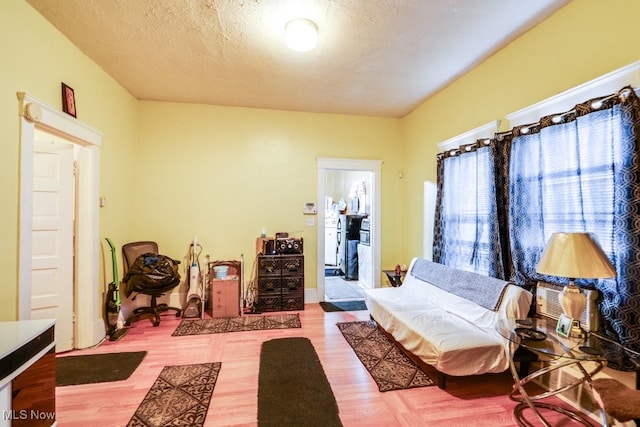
(52, 290)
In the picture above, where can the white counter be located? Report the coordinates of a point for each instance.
(22, 343)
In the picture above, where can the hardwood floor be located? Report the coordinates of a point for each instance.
(468, 401)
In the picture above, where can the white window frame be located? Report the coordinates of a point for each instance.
(481, 132)
(565, 101)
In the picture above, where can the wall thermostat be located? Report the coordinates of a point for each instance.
(310, 208)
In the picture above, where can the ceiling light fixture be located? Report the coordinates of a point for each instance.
(301, 35)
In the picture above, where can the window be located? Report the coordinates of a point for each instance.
(468, 206)
(466, 209)
(562, 179)
(499, 202)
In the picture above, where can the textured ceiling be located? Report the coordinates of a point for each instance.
(374, 57)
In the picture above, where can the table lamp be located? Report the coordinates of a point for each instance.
(576, 256)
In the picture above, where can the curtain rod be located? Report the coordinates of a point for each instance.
(465, 148)
(557, 118)
(499, 136)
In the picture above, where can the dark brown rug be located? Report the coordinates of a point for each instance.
(179, 397)
(293, 389)
(237, 324)
(96, 368)
(343, 306)
(390, 368)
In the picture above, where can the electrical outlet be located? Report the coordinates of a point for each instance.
(311, 222)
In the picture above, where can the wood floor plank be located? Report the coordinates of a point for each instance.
(472, 401)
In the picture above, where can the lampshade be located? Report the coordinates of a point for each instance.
(301, 35)
(575, 255)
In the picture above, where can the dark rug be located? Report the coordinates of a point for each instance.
(292, 387)
(179, 397)
(343, 306)
(332, 271)
(237, 324)
(390, 368)
(96, 368)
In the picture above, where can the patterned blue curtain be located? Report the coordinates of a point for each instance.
(578, 172)
(466, 226)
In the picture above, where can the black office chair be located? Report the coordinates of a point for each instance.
(146, 272)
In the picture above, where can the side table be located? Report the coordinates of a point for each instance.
(539, 335)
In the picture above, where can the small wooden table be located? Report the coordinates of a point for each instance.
(394, 279)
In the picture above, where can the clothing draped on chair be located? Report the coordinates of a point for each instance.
(573, 171)
(150, 273)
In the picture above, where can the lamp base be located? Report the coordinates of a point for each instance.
(573, 301)
(576, 330)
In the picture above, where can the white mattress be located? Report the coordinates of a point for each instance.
(450, 333)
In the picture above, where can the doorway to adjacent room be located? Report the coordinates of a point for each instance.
(349, 201)
(40, 121)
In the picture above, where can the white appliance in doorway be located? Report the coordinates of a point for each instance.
(364, 254)
(364, 265)
(331, 239)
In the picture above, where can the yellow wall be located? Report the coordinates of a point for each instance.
(583, 40)
(225, 173)
(36, 58)
(170, 171)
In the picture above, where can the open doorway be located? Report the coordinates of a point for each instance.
(348, 224)
(347, 209)
(38, 118)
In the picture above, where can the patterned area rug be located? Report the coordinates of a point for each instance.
(237, 324)
(387, 364)
(179, 397)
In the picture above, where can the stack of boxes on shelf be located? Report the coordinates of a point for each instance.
(280, 274)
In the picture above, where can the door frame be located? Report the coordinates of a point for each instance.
(89, 326)
(330, 164)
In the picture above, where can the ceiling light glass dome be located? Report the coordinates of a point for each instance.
(301, 35)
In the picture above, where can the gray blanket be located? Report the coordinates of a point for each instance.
(483, 290)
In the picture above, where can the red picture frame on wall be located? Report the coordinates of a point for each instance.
(68, 100)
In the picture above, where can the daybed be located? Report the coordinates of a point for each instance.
(446, 317)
